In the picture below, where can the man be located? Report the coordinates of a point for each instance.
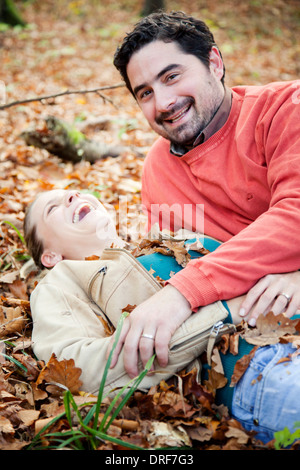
(236, 152)
(233, 151)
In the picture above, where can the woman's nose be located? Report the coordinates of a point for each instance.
(70, 197)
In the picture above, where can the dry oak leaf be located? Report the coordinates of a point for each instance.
(28, 417)
(165, 247)
(270, 329)
(163, 434)
(32, 366)
(11, 321)
(178, 250)
(62, 374)
(216, 377)
(241, 366)
(6, 426)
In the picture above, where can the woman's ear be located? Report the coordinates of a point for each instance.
(50, 258)
(216, 63)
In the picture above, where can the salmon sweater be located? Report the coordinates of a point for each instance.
(245, 181)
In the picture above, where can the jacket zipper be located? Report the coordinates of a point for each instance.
(102, 272)
(213, 331)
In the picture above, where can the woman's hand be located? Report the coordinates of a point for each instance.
(279, 293)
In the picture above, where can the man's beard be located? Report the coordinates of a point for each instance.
(186, 134)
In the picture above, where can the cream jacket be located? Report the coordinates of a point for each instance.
(76, 303)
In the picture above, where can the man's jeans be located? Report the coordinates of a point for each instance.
(267, 397)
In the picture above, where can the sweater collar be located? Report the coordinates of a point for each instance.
(215, 124)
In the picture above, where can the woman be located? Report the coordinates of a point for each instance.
(63, 224)
(62, 228)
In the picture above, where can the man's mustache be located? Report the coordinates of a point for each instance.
(172, 112)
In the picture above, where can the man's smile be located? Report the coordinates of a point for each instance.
(179, 115)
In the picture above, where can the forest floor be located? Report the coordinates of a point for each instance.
(70, 46)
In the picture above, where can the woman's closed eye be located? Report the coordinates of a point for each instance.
(50, 208)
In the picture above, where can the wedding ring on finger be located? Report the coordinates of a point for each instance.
(288, 297)
(145, 335)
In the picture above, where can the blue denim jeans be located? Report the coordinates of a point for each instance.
(267, 397)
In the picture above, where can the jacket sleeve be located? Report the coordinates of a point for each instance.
(68, 327)
(270, 244)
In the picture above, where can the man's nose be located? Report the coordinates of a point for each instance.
(70, 195)
(164, 100)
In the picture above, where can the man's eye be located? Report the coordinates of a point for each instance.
(172, 77)
(145, 94)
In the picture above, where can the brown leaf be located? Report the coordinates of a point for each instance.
(239, 434)
(28, 417)
(62, 374)
(129, 308)
(197, 246)
(234, 343)
(11, 321)
(19, 289)
(216, 377)
(5, 426)
(270, 329)
(164, 434)
(165, 247)
(31, 365)
(178, 250)
(241, 366)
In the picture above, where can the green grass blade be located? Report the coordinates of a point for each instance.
(107, 366)
(15, 229)
(132, 389)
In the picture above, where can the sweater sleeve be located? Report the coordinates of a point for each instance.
(270, 244)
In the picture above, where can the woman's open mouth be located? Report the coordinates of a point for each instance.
(81, 211)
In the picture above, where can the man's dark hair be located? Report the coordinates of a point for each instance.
(192, 35)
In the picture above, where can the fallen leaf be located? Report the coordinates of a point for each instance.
(6, 426)
(163, 434)
(28, 416)
(62, 374)
(270, 329)
(241, 366)
(11, 321)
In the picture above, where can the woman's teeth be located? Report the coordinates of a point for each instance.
(81, 211)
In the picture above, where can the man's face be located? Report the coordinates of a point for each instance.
(72, 225)
(176, 92)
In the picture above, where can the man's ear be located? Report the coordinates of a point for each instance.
(50, 258)
(216, 63)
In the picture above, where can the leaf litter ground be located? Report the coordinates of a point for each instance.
(71, 47)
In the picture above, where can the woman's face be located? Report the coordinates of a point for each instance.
(71, 225)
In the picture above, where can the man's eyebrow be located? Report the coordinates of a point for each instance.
(160, 74)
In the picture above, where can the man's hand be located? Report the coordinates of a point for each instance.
(277, 292)
(157, 318)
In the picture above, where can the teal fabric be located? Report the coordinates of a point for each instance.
(163, 266)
